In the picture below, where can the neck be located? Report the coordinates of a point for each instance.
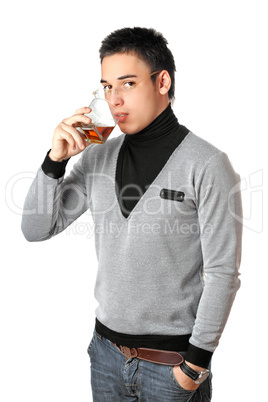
(161, 126)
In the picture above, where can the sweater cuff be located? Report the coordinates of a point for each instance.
(53, 169)
(197, 356)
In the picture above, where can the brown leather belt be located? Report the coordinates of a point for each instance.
(152, 355)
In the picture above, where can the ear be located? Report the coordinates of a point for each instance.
(164, 82)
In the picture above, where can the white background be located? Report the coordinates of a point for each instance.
(49, 66)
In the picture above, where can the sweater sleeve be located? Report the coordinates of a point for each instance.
(220, 213)
(55, 170)
(53, 202)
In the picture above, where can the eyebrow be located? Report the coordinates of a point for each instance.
(122, 78)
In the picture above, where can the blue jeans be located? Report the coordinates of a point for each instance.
(115, 379)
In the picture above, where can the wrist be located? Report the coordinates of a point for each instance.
(184, 381)
(53, 158)
(194, 366)
(52, 168)
(196, 373)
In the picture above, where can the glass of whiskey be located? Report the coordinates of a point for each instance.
(103, 121)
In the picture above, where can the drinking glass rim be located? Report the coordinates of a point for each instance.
(101, 99)
(114, 116)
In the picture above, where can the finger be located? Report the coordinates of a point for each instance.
(66, 136)
(77, 137)
(77, 120)
(83, 110)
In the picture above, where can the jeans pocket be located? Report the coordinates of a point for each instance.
(206, 390)
(89, 349)
(183, 392)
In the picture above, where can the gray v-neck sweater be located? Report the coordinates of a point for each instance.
(170, 267)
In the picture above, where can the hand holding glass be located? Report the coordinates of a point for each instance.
(103, 121)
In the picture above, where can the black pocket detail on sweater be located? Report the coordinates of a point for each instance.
(172, 195)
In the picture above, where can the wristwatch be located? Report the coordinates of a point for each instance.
(197, 376)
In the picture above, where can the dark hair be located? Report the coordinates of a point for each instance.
(148, 44)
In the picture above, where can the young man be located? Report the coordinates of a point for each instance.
(164, 203)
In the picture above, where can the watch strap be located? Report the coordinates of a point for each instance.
(189, 371)
(197, 376)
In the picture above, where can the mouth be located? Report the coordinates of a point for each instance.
(121, 117)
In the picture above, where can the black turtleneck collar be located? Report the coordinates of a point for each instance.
(162, 125)
(143, 155)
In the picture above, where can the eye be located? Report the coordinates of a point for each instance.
(107, 88)
(129, 85)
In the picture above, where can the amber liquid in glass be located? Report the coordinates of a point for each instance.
(93, 137)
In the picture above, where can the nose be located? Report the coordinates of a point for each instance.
(116, 99)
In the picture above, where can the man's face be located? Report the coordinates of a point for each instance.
(140, 105)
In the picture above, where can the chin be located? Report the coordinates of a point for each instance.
(128, 129)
